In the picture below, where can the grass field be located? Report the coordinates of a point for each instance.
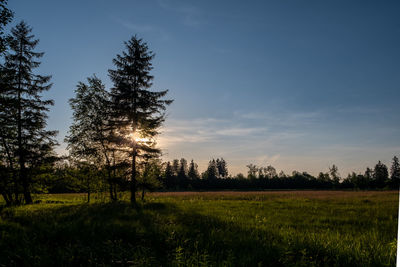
(279, 228)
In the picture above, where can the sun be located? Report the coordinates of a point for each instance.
(139, 138)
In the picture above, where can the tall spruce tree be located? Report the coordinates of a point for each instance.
(137, 112)
(32, 142)
(9, 184)
(8, 180)
(6, 16)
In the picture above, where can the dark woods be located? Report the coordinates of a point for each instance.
(112, 140)
(181, 175)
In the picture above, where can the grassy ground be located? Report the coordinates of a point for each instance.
(281, 228)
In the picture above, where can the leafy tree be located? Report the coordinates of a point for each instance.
(270, 172)
(395, 172)
(380, 174)
(282, 174)
(334, 174)
(6, 16)
(323, 177)
(369, 175)
(252, 172)
(222, 168)
(90, 137)
(21, 96)
(149, 178)
(137, 112)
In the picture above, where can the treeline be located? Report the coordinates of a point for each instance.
(179, 175)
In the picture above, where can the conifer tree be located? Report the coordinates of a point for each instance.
(380, 174)
(193, 173)
(175, 167)
(169, 176)
(33, 143)
(137, 112)
(395, 172)
(212, 170)
(182, 174)
(6, 16)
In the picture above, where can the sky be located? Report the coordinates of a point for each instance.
(299, 85)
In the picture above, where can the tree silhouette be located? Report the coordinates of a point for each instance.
(34, 145)
(222, 168)
(212, 171)
(334, 173)
(169, 176)
(182, 174)
(395, 172)
(6, 16)
(380, 174)
(137, 112)
(193, 173)
(90, 137)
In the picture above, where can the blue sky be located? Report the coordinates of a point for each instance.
(300, 85)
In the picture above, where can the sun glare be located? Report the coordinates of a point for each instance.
(139, 139)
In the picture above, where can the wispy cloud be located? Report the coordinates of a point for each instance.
(190, 15)
(143, 28)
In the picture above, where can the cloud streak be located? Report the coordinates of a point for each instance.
(190, 15)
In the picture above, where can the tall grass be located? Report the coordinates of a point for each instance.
(306, 228)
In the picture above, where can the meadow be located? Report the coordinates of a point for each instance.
(269, 228)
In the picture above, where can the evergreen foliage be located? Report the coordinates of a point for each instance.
(395, 173)
(137, 112)
(6, 16)
(381, 174)
(25, 137)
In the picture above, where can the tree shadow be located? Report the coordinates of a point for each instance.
(153, 234)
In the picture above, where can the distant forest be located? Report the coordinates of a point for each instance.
(112, 140)
(180, 175)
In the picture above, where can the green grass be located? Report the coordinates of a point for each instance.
(298, 228)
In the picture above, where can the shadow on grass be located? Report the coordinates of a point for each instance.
(153, 234)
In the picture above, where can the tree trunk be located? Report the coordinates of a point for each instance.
(88, 188)
(133, 178)
(22, 173)
(110, 183)
(25, 185)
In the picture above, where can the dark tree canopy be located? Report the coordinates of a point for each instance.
(395, 172)
(381, 174)
(6, 16)
(137, 111)
(90, 137)
(21, 96)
